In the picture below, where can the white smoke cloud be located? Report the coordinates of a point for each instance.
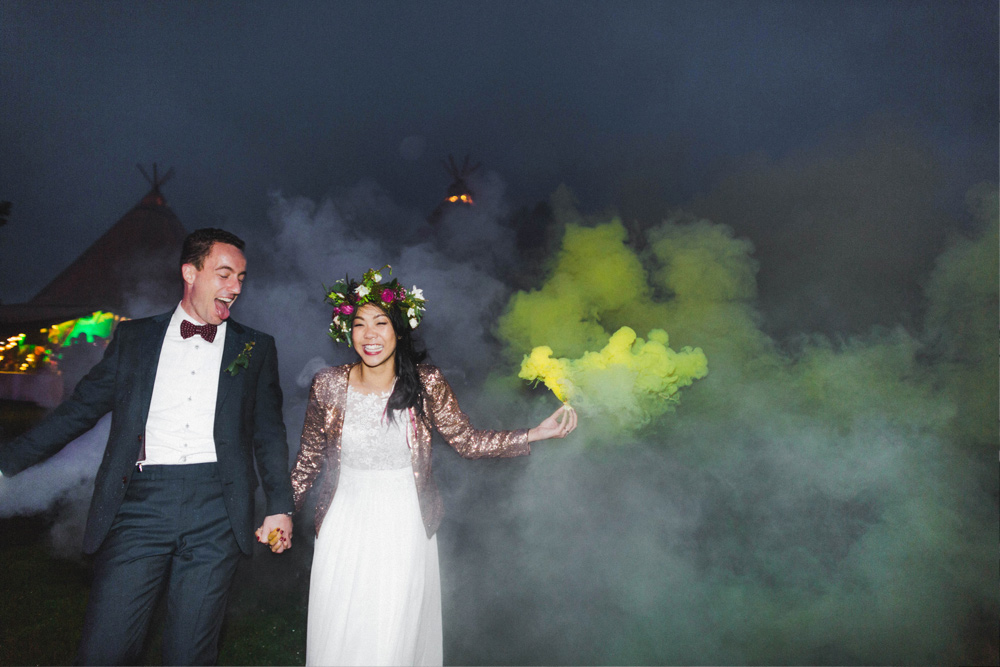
(38, 487)
(313, 244)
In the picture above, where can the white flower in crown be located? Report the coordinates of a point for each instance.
(362, 290)
(411, 312)
(417, 293)
(377, 277)
(413, 323)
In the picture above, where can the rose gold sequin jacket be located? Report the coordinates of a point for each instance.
(320, 447)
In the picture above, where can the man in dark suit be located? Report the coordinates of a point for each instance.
(195, 402)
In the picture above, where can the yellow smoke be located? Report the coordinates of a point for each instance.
(596, 276)
(696, 280)
(599, 285)
(540, 365)
(646, 374)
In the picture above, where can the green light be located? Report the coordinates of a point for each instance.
(96, 325)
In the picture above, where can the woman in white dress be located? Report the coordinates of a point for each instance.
(375, 592)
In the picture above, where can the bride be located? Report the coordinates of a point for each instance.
(375, 592)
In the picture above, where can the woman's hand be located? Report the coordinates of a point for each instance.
(557, 425)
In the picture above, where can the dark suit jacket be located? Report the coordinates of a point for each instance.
(248, 425)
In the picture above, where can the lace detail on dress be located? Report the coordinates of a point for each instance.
(370, 442)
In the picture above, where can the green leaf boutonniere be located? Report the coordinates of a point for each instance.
(242, 361)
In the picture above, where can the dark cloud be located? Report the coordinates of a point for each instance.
(845, 232)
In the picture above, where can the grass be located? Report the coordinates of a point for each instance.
(44, 599)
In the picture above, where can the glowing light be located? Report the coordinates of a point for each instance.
(36, 354)
(96, 325)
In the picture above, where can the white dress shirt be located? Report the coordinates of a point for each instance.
(179, 428)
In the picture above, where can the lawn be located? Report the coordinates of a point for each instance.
(45, 597)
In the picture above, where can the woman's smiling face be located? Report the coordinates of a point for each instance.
(373, 337)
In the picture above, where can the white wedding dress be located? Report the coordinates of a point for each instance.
(375, 592)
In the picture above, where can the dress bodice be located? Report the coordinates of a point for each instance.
(372, 441)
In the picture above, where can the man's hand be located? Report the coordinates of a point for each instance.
(276, 531)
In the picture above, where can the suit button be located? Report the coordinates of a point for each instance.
(124, 480)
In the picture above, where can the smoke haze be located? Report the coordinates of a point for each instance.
(826, 496)
(792, 187)
(821, 504)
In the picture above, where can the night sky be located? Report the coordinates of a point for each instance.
(641, 107)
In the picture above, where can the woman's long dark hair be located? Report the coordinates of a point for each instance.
(409, 391)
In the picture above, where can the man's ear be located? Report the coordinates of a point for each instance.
(188, 272)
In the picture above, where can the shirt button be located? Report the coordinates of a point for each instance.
(192, 372)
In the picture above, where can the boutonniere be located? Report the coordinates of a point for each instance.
(242, 361)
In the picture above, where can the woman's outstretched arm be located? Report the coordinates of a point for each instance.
(469, 442)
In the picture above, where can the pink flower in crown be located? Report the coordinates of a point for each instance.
(401, 294)
(347, 309)
(388, 295)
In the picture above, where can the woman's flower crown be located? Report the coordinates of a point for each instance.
(347, 295)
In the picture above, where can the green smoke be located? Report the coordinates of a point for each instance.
(833, 502)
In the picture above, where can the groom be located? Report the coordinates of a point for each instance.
(195, 402)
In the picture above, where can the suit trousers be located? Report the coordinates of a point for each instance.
(172, 532)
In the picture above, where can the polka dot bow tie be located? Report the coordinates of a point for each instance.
(207, 331)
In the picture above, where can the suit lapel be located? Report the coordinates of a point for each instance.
(235, 339)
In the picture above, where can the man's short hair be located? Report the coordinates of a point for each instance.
(198, 244)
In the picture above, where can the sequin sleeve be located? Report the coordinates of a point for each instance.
(309, 461)
(449, 420)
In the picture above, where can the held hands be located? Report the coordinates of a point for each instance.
(276, 532)
(557, 425)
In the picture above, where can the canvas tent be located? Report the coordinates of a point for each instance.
(134, 262)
